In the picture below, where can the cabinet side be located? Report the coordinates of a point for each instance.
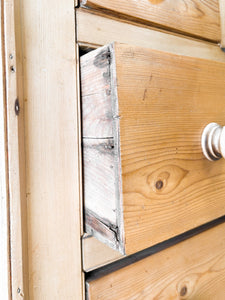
(101, 155)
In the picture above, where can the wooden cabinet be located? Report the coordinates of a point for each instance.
(146, 182)
(199, 18)
(146, 179)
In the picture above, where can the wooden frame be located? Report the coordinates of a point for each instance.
(40, 210)
(12, 178)
(52, 149)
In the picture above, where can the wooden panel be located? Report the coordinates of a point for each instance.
(164, 102)
(51, 147)
(193, 269)
(200, 18)
(98, 30)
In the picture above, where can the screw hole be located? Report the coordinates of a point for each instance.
(13, 70)
(17, 107)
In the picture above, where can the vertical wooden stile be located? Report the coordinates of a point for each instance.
(5, 274)
(14, 125)
(51, 145)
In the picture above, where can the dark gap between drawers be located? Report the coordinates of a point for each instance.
(126, 261)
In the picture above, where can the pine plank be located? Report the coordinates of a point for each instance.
(199, 18)
(15, 182)
(49, 61)
(164, 102)
(192, 269)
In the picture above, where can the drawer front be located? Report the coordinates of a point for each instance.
(145, 176)
(193, 269)
(199, 18)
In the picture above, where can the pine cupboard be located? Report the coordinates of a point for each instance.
(162, 228)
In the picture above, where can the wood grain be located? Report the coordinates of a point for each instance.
(5, 282)
(22, 154)
(164, 102)
(52, 149)
(193, 269)
(199, 18)
(99, 31)
(15, 157)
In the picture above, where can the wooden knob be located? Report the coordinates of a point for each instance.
(213, 141)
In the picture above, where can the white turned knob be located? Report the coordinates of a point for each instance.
(213, 141)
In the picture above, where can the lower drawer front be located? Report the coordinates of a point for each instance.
(192, 269)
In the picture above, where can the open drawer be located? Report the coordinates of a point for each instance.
(146, 178)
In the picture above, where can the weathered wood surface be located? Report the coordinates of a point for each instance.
(102, 196)
(164, 102)
(193, 269)
(199, 18)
